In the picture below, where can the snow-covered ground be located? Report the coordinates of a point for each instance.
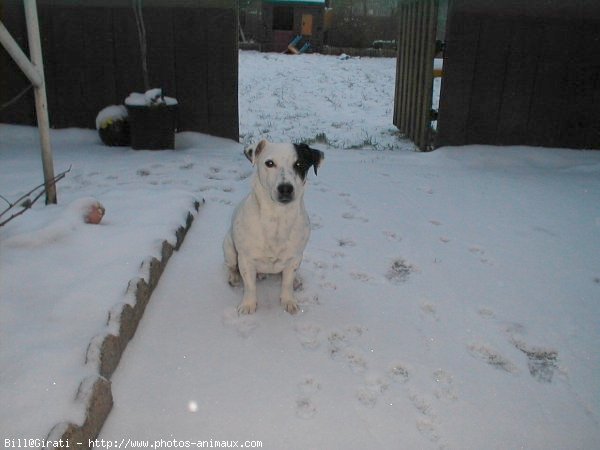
(343, 103)
(449, 299)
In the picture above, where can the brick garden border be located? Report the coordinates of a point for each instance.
(105, 350)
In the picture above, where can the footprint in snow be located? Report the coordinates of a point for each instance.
(391, 236)
(366, 397)
(375, 386)
(492, 358)
(243, 324)
(428, 429)
(355, 360)
(341, 348)
(399, 271)
(352, 216)
(426, 423)
(542, 362)
(346, 242)
(305, 406)
(444, 385)
(398, 373)
(309, 335)
(428, 309)
(421, 404)
(486, 313)
(222, 201)
(478, 251)
(315, 222)
(361, 276)
(309, 300)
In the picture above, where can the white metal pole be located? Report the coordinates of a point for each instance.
(41, 103)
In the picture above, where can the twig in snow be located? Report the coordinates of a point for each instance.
(25, 202)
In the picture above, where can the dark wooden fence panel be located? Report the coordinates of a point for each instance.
(457, 81)
(527, 74)
(221, 76)
(550, 94)
(525, 42)
(584, 83)
(12, 80)
(196, 112)
(126, 56)
(488, 77)
(92, 59)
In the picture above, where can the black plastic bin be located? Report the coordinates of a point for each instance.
(152, 127)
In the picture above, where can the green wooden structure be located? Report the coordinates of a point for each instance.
(282, 20)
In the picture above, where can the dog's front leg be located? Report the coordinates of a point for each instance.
(248, 273)
(287, 288)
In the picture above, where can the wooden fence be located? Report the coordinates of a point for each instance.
(414, 70)
(523, 73)
(92, 59)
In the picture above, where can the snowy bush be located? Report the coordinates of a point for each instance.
(113, 126)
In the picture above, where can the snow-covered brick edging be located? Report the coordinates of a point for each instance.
(104, 351)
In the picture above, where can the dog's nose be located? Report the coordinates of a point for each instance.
(286, 192)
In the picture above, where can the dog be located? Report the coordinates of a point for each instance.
(270, 227)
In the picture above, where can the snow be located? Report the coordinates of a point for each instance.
(316, 98)
(150, 97)
(109, 114)
(449, 299)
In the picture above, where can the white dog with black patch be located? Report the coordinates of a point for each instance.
(270, 227)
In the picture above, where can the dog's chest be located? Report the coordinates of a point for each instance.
(283, 235)
(280, 244)
(271, 238)
(282, 232)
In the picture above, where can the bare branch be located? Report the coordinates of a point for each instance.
(25, 202)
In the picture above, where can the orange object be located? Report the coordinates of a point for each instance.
(94, 214)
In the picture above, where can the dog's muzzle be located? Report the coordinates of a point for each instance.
(285, 192)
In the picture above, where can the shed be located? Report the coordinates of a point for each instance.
(92, 59)
(514, 73)
(282, 20)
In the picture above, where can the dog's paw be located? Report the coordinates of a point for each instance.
(290, 306)
(247, 308)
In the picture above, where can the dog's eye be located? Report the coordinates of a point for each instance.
(269, 163)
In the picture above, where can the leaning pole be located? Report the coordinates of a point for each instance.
(34, 71)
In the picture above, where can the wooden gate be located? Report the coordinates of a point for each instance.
(414, 70)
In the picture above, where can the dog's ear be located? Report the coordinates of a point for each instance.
(252, 151)
(308, 157)
(318, 157)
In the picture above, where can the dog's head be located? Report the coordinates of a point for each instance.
(282, 168)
